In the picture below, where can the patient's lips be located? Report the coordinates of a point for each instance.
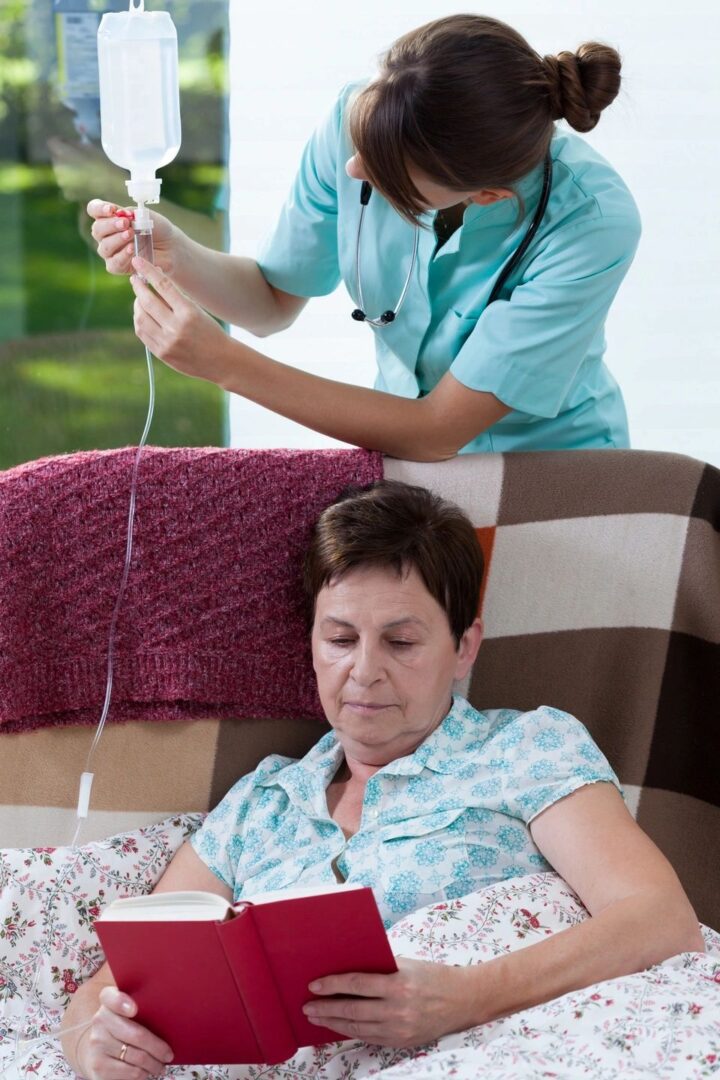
(367, 707)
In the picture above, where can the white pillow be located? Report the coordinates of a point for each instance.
(49, 900)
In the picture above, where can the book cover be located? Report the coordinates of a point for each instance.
(230, 990)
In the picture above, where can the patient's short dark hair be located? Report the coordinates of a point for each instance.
(398, 525)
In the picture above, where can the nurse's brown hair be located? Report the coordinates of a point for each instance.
(470, 104)
(399, 526)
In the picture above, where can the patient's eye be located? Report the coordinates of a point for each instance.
(401, 643)
(341, 640)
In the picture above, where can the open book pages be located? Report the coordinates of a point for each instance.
(187, 906)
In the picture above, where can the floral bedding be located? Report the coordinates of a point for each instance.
(663, 1022)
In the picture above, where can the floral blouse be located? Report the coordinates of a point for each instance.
(444, 821)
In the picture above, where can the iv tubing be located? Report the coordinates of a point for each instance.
(128, 558)
(144, 247)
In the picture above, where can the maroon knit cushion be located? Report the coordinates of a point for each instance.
(212, 621)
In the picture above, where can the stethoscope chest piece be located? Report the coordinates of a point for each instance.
(386, 317)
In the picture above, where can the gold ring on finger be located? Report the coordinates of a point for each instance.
(123, 1052)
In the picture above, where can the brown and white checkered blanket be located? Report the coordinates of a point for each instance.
(602, 597)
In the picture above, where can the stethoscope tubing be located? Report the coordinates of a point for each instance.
(382, 320)
(528, 238)
(391, 314)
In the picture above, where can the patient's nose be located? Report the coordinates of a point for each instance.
(367, 666)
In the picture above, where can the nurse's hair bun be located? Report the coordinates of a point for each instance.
(583, 83)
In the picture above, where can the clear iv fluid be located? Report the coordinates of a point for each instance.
(143, 128)
(139, 96)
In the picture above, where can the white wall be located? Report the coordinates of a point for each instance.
(662, 134)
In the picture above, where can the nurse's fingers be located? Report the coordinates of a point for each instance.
(147, 330)
(151, 302)
(117, 258)
(108, 226)
(160, 282)
(104, 215)
(113, 233)
(99, 208)
(113, 244)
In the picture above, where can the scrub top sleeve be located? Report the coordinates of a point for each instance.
(301, 255)
(527, 350)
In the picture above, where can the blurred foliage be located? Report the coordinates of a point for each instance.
(64, 283)
(16, 70)
(28, 70)
(61, 392)
(72, 373)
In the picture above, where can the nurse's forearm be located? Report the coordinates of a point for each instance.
(401, 427)
(229, 286)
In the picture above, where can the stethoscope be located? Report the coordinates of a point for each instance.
(390, 315)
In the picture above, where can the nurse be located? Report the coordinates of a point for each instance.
(481, 247)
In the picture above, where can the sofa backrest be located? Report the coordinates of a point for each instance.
(601, 597)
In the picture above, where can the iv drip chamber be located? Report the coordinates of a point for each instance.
(139, 94)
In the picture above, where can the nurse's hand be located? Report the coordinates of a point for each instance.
(114, 237)
(175, 328)
(415, 1005)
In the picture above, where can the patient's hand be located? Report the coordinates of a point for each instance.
(100, 1047)
(415, 1005)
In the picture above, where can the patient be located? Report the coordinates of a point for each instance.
(419, 795)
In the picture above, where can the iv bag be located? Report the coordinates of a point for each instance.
(139, 95)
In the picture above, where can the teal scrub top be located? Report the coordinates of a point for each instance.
(538, 348)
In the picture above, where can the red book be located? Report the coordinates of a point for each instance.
(226, 984)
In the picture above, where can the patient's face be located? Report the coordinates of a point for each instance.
(385, 662)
